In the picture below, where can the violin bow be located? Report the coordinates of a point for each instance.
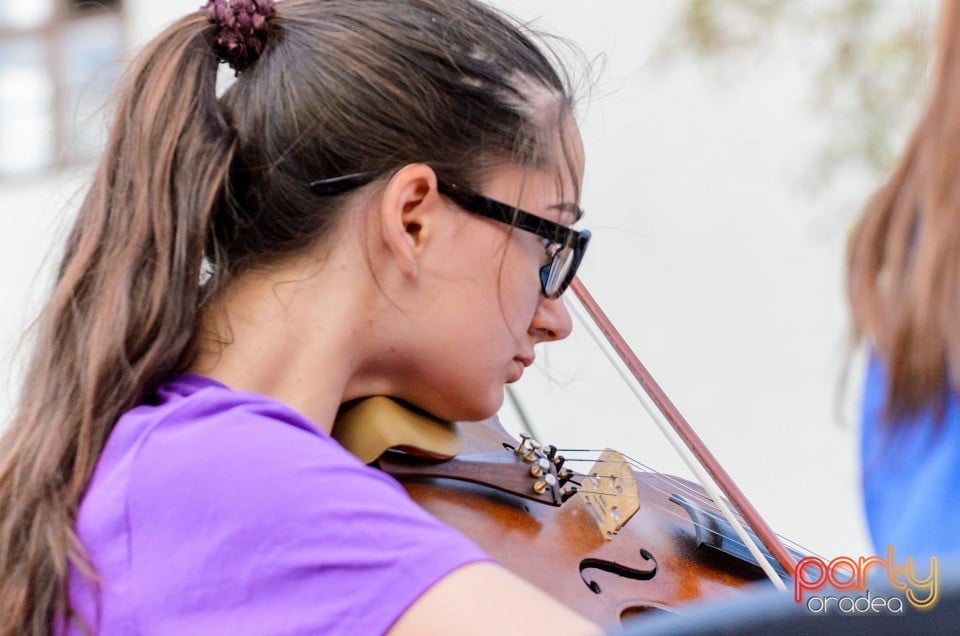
(694, 445)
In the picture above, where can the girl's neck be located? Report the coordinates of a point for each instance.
(297, 336)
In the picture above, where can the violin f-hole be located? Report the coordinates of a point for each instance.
(618, 569)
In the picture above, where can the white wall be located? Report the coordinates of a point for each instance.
(725, 277)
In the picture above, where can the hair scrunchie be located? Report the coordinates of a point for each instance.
(242, 30)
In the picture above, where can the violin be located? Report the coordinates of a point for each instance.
(612, 542)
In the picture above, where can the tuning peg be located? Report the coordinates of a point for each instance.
(558, 461)
(531, 453)
(524, 438)
(568, 492)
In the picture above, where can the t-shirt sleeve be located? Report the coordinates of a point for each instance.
(245, 524)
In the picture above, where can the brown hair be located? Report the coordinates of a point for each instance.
(903, 278)
(190, 182)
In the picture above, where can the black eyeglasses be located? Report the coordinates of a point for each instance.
(565, 246)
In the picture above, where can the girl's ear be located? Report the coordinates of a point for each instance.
(408, 213)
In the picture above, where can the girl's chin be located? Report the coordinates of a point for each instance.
(477, 411)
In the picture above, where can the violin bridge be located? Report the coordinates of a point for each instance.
(610, 492)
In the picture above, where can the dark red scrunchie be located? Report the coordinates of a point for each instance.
(242, 31)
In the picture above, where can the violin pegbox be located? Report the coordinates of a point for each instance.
(528, 470)
(610, 492)
(546, 469)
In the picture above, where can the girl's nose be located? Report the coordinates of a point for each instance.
(551, 321)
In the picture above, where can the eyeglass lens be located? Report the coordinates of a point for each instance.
(558, 269)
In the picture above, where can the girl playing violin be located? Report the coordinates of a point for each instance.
(379, 205)
(904, 288)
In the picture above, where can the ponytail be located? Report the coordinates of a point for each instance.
(121, 314)
(339, 89)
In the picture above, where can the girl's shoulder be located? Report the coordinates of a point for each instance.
(196, 438)
(194, 406)
(214, 510)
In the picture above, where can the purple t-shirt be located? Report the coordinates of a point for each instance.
(214, 511)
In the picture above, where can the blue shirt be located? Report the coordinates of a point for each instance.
(911, 476)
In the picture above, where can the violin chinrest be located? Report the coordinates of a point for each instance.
(372, 426)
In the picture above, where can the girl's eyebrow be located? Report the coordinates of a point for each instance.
(569, 208)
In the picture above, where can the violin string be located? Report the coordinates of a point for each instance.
(706, 501)
(687, 489)
(715, 516)
(682, 450)
(675, 512)
(671, 510)
(634, 463)
(701, 497)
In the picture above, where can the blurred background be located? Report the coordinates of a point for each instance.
(730, 146)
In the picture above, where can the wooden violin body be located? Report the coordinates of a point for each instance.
(656, 561)
(680, 545)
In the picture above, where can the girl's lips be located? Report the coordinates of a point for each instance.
(526, 362)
